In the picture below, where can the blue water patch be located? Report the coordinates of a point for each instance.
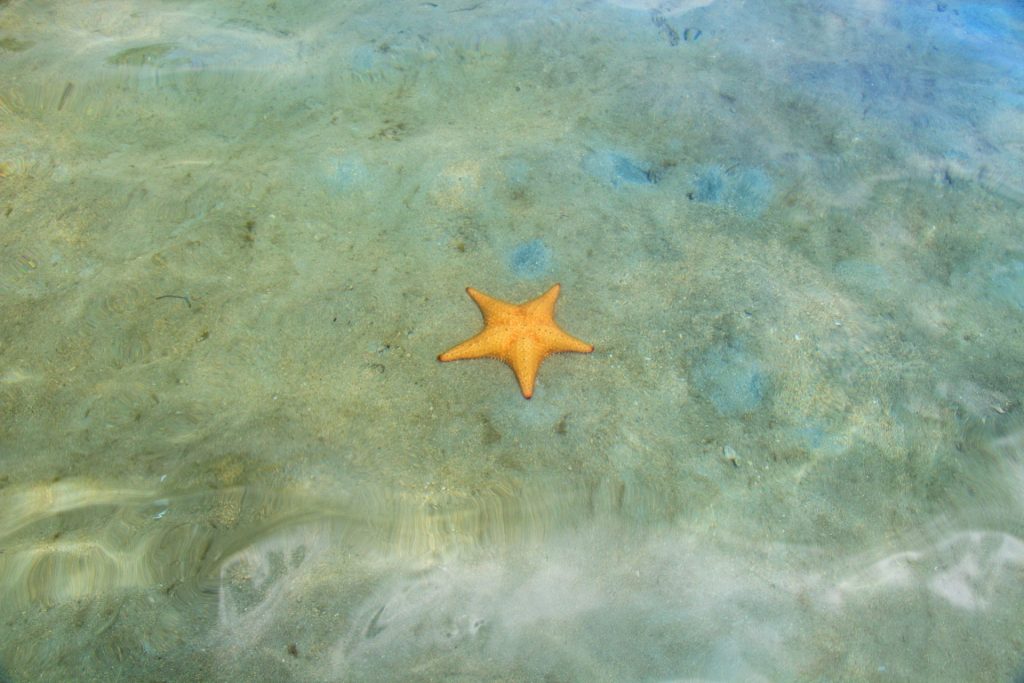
(1006, 283)
(746, 190)
(709, 185)
(992, 33)
(530, 260)
(346, 173)
(815, 437)
(617, 169)
(372, 62)
(750, 191)
(517, 175)
(364, 59)
(863, 276)
(990, 21)
(965, 42)
(733, 380)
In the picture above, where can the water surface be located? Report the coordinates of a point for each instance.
(234, 236)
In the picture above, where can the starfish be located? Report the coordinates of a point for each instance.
(521, 335)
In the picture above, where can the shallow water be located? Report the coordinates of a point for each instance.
(234, 238)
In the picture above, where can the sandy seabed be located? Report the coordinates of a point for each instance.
(235, 236)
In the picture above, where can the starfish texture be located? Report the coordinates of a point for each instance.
(521, 335)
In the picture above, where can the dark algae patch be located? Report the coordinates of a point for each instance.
(141, 56)
(13, 44)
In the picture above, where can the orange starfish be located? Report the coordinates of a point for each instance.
(521, 335)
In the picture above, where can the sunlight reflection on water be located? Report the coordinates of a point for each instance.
(368, 583)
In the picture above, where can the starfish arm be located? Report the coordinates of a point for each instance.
(490, 308)
(545, 303)
(525, 361)
(562, 341)
(526, 381)
(483, 345)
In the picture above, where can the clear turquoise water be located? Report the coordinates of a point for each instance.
(235, 236)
